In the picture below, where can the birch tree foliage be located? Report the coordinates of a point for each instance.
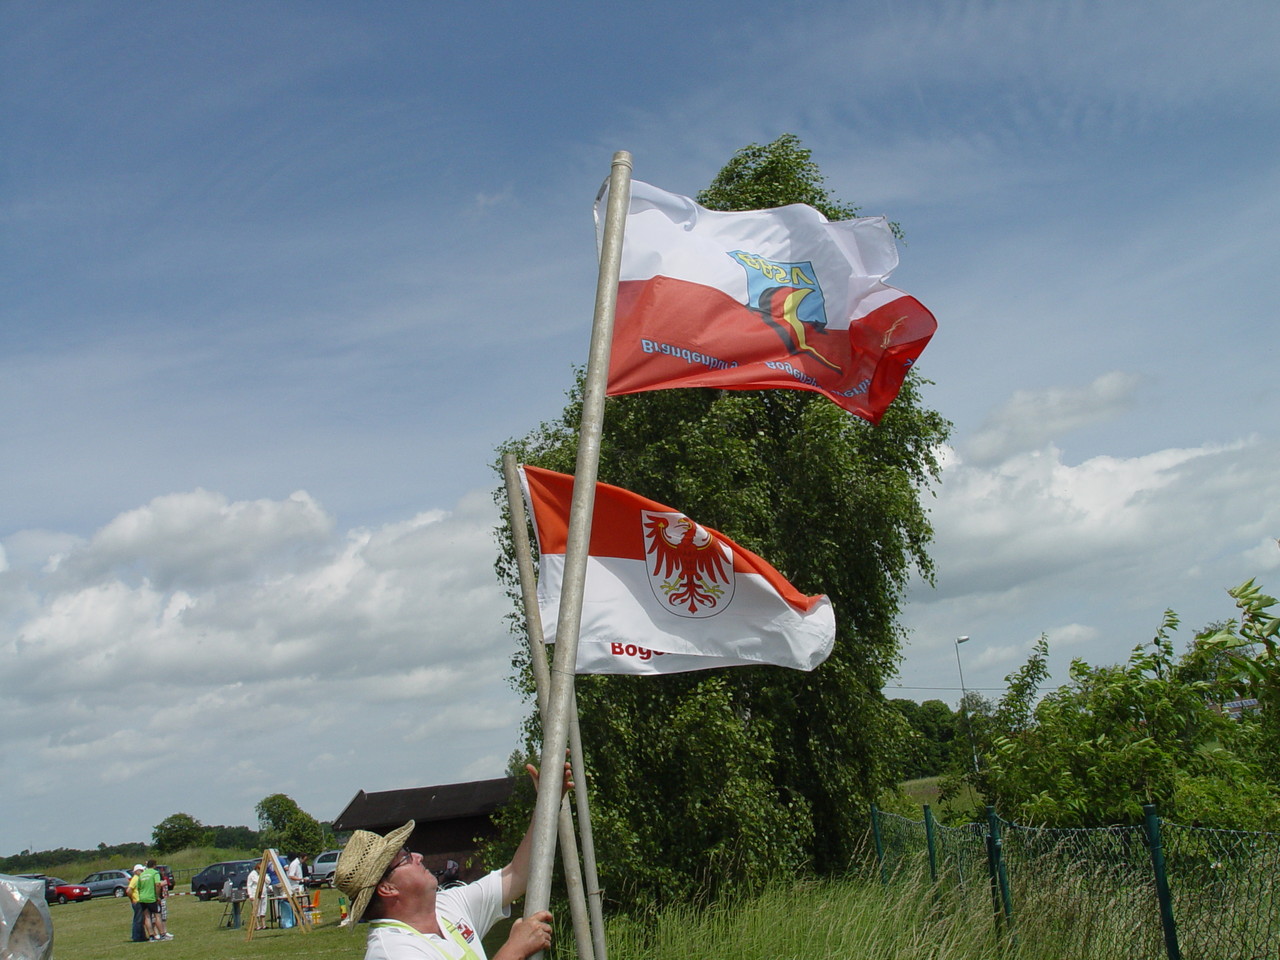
(736, 774)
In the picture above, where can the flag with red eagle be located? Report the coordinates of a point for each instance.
(666, 595)
(780, 298)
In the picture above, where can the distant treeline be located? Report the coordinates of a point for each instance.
(29, 861)
(938, 742)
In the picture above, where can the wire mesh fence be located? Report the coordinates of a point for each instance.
(1159, 890)
(1225, 894)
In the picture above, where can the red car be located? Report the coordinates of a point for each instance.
(59, 891)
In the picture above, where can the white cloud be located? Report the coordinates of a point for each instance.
(1188, 54)
(201, 538)
(1033, 516)
(1265, 555)
(1100, 547)
(112, 677)
(484, 202)
(37, 548)
(1072, 634)
(1031, 418)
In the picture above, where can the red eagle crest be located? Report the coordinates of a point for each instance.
(691, 568)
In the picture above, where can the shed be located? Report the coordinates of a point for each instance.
(448, 819)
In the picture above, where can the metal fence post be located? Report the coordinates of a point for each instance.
(931, 840)
(1001, 902)
(1152, 823)
(875, 833)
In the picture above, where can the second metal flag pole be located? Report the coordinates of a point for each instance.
(555, 730)
(588, 923)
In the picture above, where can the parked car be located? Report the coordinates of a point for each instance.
(59, 891)
(107, 883)
(322, 869)
(207, 884)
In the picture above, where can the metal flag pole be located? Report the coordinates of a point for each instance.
(595, 896)
(583, 934)
(555, 728)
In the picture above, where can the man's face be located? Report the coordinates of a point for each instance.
(410, 877)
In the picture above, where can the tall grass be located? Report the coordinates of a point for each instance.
(1083, 916)
(908, 919)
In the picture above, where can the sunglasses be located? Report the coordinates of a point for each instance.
(404, 857)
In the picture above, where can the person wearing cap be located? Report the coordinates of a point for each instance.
(141, 932)
(411, 918)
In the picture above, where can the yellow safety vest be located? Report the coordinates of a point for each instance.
(448, 927)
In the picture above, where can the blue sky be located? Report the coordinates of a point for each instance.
(280, 276)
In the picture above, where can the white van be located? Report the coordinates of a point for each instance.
(322, 868)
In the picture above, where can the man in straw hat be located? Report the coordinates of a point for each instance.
(411, 918)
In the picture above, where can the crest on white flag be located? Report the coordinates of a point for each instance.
(690, 569)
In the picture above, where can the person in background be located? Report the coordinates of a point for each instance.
(162, 899)
(296, 873)
(251, 884)
(140, 932)
(451, 875)
(286, 890)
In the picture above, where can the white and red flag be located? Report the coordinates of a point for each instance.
(780, 298)
(666, 595)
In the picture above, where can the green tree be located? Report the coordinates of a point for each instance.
(287, 827)
(1248, 655)
(760, 176)
(737, 774)
(237, 838)
(1092, 752)
(931, 746)
(177, 832)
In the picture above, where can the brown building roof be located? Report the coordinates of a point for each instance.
(387, 809)
(450, 819)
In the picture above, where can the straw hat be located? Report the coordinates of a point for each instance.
(364, 860)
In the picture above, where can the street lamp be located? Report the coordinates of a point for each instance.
(963, 694)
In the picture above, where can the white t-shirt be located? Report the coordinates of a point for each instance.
(471, 909)
(295, 874)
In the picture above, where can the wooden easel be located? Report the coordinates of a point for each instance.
(263, 893)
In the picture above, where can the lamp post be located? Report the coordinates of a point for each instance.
(973, 746)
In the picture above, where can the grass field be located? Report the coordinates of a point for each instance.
(100, 929)
(925, 790)
(1074, 915)
(846, 920)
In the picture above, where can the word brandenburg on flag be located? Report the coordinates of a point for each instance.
(780, 298)
(664, 594)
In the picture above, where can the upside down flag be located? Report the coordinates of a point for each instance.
(780, 298)
(666, 595)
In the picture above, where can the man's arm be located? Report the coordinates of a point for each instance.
(527, 937)
(515, 875)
